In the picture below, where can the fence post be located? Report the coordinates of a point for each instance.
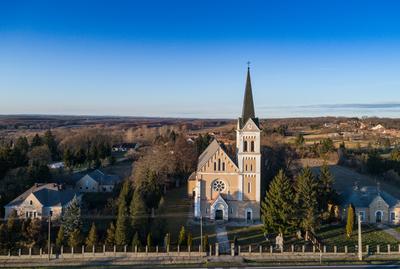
(147, 249)
(303, 248)
(239, 250)
(93, 250)
(135, 248)
(335, 249)
(210, 250)
(40, 252)
(72, 251)
(388, 250)
(367, 249)
(271, 249)
(62, 251)
(200, 250)
(378, 249)
(125, 249)
(399, 248)
(83, 250)
(249, 249)
(313, 248)
(168, 248)
(292, 248)
(157, 248)
(216, 249)
(104, 249)
(9, 253)
(115, 250)
(51, 250)
(260, 249)
(19, 252)
(324, 249)
(345, 249)
(30, 252)
(232, 249)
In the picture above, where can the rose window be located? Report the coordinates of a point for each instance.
(218, 186)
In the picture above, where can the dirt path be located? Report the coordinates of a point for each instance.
(222, 238)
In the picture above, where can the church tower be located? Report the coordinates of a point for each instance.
(248, 149)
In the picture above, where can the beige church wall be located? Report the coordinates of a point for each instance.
(379, 205)
(191, 185)
(397, 212)
(237, 209)
(231, 185)
(252, 194)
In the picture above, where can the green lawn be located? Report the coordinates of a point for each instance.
(371, 235)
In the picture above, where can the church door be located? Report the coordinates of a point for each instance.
(248, 217)
(219, 214)
(378, 217)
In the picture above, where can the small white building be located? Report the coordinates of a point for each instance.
(42, 201)
(96, 181)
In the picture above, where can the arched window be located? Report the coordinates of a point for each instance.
(223, 166)
(251, 168)
(252, 146)
(248, 187)
(245, 146)
(215, 166)
(219, 164)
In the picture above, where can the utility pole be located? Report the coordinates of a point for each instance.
(359, 238)
(49, 236)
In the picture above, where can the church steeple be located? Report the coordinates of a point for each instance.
(248, 104)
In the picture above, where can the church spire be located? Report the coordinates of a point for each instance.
(248, 104)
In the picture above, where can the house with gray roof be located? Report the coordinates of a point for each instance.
(96, 181)
(373, 204)
(41, 201)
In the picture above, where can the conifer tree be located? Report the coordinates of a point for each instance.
(110, 236)
(189, 240)
(350, 221)
(36, 141)
(138, 214)
(91, 240)
(60, 240)
(51, 143)
(326, 191)
(71, 220)
(182, 236)
(136, 240)
(122, 224)
(278, 206)
(75, 239)
(306, 200)
(205, 243)
(3, 236)
(149, 240)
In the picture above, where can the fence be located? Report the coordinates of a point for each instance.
(211, 250)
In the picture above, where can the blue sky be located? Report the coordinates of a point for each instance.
(188, 58)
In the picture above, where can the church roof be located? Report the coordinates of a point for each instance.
(207, 153)
(248, 104)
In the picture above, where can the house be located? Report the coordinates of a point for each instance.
(373, 204)
(96, 181)
(42, 201)
(226, 187)
(124, 147)
(56, 165)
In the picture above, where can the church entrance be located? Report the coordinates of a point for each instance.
(378, 217)
(219, 214)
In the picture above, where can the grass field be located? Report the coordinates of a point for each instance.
(371, 235)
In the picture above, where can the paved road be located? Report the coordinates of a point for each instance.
(222, 238)
(390, 231)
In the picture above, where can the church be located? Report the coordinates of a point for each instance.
(229, 187)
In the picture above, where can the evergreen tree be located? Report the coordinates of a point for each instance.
(122, 224)
(182, 236)
(136, 240)
(189, 240)
(205, 243)
(306, 199)
(60, 240)
(35, 235)
(138, 213)
(51, 143)
(278, 208)
(71, 220)
(326, 192)
(75, 239)
(36, 141)
(350, 221)
(68, 158)
(3, 236)
(149, 240)
(110, 237)
(91, 240)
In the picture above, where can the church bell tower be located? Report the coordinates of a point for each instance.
(248, 148)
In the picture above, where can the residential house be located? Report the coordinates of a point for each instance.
(96, 181)
(373, 204)
(41, 201)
